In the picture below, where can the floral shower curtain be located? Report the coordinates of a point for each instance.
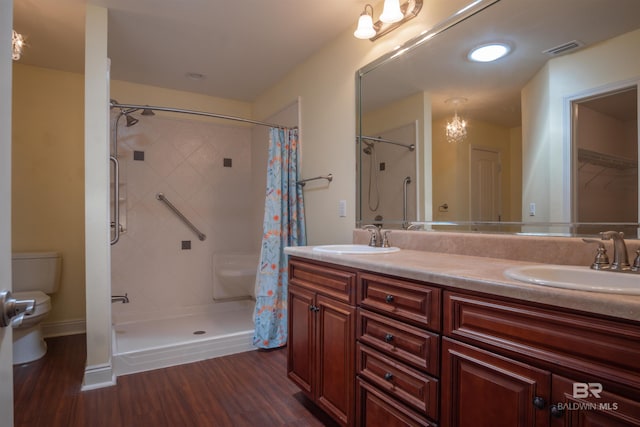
(283, 226)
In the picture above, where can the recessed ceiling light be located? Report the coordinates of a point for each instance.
(195, 76)
(489, 52)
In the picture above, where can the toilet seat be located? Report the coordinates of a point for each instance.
(43, 302)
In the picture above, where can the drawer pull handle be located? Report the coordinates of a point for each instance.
(539, 403)
(388, 338)
(388, 376)
(389, 299)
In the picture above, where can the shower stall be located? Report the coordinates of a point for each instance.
(187, 207)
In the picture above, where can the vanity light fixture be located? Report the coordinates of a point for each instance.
(489, 52)
(17, 43)
(393, 15)
(456, 129)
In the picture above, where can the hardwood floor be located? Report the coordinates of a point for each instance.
(247, 389)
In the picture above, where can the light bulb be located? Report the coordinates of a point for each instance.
(391, 12)
(365, 28)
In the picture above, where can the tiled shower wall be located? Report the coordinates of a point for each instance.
(205, 169)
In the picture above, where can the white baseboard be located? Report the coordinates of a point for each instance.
(98, 377)
(66, 327)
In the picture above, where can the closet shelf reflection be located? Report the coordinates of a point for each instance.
(605, 160)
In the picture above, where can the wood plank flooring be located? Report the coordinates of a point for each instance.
(247, 389)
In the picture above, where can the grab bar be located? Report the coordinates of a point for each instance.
(184, 219)
(406, 182)
(116, 200)
(303, 182)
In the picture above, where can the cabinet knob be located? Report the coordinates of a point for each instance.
(556, 412)
(539, 402)
(389, 299)
(388, 376)
(314, 308)
(388, 338)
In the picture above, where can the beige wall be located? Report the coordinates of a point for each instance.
(48, 181)
(133, 93)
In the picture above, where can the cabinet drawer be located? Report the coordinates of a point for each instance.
(323, 278)
(605, 348)
(400, 381)
(409, 301)
(409, 344)
(376, 409)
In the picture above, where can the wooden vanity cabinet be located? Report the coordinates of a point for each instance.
(374, 350)
(321, 344)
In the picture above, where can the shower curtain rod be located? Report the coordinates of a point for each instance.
(134, 107)
(410, 147)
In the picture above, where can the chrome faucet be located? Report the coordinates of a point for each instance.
(375, 238)
(620, 257)
(123, 298)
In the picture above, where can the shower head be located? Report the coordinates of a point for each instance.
(130, 120)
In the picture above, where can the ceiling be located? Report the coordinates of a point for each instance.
(241, 47)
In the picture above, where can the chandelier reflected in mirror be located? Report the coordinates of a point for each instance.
(456, 130)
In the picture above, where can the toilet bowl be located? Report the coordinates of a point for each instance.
(35, 275)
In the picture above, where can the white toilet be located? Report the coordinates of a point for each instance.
(35, 274)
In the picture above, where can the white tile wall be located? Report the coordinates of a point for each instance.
(184, 160)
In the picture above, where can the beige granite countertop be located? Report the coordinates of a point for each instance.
(482, 274)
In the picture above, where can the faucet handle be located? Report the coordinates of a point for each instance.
(373, 237)
(601, 261)
(385, 239)
(636, 262)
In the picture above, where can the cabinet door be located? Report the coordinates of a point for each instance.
(482, 389)
(300, 346)
(335, 356)
(587, 403)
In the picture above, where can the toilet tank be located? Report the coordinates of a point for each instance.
(36, 271)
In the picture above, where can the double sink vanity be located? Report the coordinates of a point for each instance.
(428, 333)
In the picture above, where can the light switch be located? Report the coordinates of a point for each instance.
(342, 208)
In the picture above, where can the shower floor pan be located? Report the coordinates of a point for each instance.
(149, 344)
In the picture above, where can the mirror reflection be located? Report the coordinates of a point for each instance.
(546, 135)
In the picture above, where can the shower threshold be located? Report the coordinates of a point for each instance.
(207, 332)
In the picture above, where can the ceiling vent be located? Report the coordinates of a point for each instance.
(564, 48)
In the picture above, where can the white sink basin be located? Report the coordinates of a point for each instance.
(576, 277)
(354, 249)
